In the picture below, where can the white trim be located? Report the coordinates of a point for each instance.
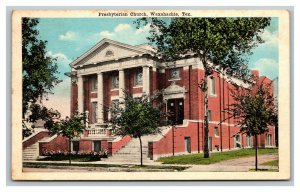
(114, 98)
(94, 100)
(34, 134)
(137, 95)
(138, 86)
(139, 50)
(49, 139)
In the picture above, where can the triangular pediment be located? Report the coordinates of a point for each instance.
(107, 50)
(173, 88)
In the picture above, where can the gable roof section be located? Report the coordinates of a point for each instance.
(104, 43)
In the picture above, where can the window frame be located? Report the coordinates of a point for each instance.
(136, 82)
(216, 132)
(94, 84)
(177, 77)
(115, 82)
(209, 115)
(95, 111)
(212, 86)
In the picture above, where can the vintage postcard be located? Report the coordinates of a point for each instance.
(151, 95)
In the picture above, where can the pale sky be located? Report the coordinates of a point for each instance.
(69, 38)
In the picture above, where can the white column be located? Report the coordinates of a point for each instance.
(146, 80)
(100, 98)
(121, 84)
(80, 94)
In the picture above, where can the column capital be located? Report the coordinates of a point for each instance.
(147, 65)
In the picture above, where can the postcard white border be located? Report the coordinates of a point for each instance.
(284, 103)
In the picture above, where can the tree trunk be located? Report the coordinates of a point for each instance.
(70, 150)
(256, 152)
(141, 149)
(206, 150)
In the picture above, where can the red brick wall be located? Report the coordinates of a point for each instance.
(59, 143)
(165, 144)
(74, 98)
(113, 147)
(85, 145)
(35, 139)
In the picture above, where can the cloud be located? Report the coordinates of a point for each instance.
(125, 33)
(60, 100)
(267, 67)
(271, 38)
(122, 27)
(144, 29)
(62, 59)
(107, 34)
(68, 36)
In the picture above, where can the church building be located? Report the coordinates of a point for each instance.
(100, 74)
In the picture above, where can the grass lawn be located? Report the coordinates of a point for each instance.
(271, 163)
(47, 165)
(198, 159)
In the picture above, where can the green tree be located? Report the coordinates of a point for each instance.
(135, 117)
(39, 69)
(39, 112)
(254, 110)
(69, 127)
(221, 44)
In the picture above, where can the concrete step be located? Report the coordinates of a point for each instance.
(31, 152)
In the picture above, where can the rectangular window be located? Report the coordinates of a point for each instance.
(97, 146)
(175, 73)
(94, 84)
(249, 141)
(216, 131)
(95, 112)
(237, 141)
(210, 146)
(212, 86)
(209, 115)
(269, 140)
(75, 146)
(138, 78)
(115, 82)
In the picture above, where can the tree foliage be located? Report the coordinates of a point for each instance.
(135, 117)
(254, 110)
(39, 68)
(69, 127)
(43, 113)
(221, 44)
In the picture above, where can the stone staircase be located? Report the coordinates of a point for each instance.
(130, 153)
(31, 153)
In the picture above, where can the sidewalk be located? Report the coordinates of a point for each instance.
(234, 165)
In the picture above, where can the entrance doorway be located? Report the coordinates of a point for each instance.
(176, 111)
(97, 146)
(187, 144)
